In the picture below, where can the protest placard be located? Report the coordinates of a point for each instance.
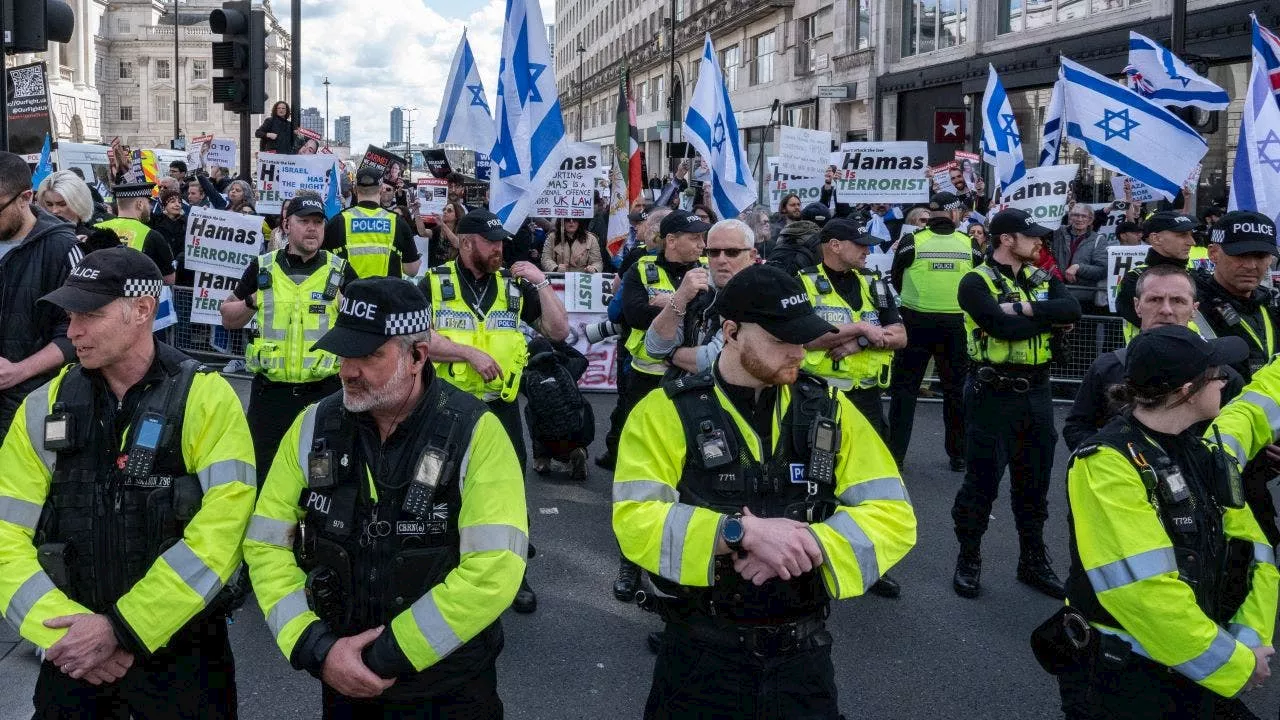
(220, 241)
(809, 190)
(1120, 260)
(221, 153)
(803, 153)
(1042, 193)
(197, 150)
(433, 195)
(883, 172)
(391, 165)
(571, 192)
(207, 295)
(1139, 192)
(280, 177)
(968, 163)
(942, 177)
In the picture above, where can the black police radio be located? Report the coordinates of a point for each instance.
(432, 466)
(142, 454)
(824, 443)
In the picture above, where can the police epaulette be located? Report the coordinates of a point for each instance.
(1085, 450)
(687, 383)
(441, 270)
(812, 269)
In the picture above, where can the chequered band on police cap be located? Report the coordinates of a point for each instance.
(956, 205)
(140, 288)
(408, 323)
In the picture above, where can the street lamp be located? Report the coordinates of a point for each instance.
(177, 132)
(671, 83)
(326, 108)
(581, 52)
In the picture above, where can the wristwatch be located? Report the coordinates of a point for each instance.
(733, 531)
(541, 285)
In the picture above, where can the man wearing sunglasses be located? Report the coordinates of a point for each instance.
(35, 258)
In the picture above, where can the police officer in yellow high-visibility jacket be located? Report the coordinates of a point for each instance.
(377, 242)
(391, 533)
(478, 308)
(926, 272)
(1169, 568)
(293, 294)
(1169, 233)
(126, 484)
(754, 495)
(133, 208)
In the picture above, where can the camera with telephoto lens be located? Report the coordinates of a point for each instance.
(597, 332)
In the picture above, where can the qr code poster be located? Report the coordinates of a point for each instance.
(29, 108)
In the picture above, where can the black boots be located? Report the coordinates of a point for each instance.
(967, 580)
(886, 587)
(628, 582)
(526, 601)
(1035, 571)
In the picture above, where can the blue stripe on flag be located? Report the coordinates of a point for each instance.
(457, 84)
(1131, 99)
(1187, 96)
(1241, 175)
(1118, 159)
(550, 131)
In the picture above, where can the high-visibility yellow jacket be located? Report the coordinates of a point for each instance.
(871, 529)
(493, 531)
(216, 448)
(870, 368)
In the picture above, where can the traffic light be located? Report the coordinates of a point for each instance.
(34, 24)
(242, 55)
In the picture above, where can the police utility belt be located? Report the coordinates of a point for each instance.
(1018, 378)
(759, 640)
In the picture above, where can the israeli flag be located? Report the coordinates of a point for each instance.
(1051, 138)
(1255, 178)
(1001, 141)
(333, 197)
(530, 139)
(464, 112)
(1128, 133)
(713, 132)
(1157, 74)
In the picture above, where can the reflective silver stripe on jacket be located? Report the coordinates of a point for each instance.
(674, 528)
(885, 488)
(486, 538)
(271, 531)
(226, 471)
(644, 491)
(29, 593)
(198, 576)
(22, 513)
(431, 623)
(37, 407)
(1125, 571)
(863, 549)
(289, 607)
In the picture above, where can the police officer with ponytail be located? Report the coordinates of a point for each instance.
(391, 533)
(126, 484)
(1173, 586)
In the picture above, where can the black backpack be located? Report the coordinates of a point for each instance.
(793, 254)
(556, 411)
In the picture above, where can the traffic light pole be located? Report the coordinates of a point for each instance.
(246, 153)
(4, 70)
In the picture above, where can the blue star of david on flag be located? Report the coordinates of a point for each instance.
(464, 120)
(717, 134)
(477, 97)
(1009, 126)
(1265, 156)
(535, 72)
(1110, 131)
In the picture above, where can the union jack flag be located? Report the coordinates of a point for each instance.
(1266, 44)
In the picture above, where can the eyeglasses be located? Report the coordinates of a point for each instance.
(730, 253)
(1220, 377)
(12, 200)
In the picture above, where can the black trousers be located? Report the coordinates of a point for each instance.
(869, 404)
(272, 409)
(474, 699)
(1011, 430)
(618, 417)
(194, 678)
(509, 414)
(692, 680)
(940, 337)
(1139, 690)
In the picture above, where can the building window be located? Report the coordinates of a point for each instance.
(641, 95)
(801, 116)
(929, 25)
(862, 23)
(762, 58)
(655, 101)
(199, 70)
(199, 108)
(162, 69)
(122, 24)
(126, 70)
(806, 44)
(164, 110)
(126, 113)
(730, 59)
(1019, 15)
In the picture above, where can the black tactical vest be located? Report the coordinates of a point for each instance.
(778, 487)
(373, 557)
(102, 528)
(1215, 569)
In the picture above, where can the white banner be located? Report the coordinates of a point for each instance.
(207, 296)
(1042, 192)
(571, 193)
(433, 195)
(809, 190)
(883, 172)
(222, 153)
(221, 242)
(280, 177)
(1120, 260)
(197, 150)
(1141, 193)
(942, 177)
(803, 153)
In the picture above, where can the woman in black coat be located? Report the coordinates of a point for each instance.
(276, 132)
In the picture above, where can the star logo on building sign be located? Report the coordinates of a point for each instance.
(535, 72)
(950, 127)
(1108, 128)
(1009, 126)
(1272, 158)
(717, 134)
(477, 96)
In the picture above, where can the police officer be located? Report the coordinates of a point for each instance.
(1011, 308)
(126, 484)
(660, 285)
(1169, 235)
(753, 494)
(1242, 245)
(375, 241)
(857, 358)
(1173, 576)
(292, 293)
(478, 306)
(926, 272)
(391, 533)
(133, 210)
